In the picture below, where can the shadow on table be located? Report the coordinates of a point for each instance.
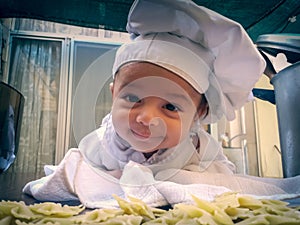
(11, 185)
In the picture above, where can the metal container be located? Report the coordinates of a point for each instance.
(287, 94)
(11, 111)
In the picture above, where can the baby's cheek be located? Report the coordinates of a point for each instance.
(120, 119)
(184, 125)
(174, 128)
(120, 113)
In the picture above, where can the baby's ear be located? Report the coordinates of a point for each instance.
(111, 87)
(202, 111)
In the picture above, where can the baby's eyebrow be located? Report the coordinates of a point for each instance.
(129, 84)
(176, 96)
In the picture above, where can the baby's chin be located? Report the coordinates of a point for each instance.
(145, 145)
(144, 148)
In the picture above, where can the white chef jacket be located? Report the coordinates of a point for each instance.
(105, 149)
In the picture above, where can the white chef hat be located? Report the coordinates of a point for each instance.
(211, 52)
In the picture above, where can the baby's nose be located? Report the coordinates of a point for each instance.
(148, 117)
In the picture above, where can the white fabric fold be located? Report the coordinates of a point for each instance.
(57, 186)
(104, 149)
(75, 179)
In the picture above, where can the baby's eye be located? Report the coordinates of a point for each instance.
(132, 98)
(171, 107)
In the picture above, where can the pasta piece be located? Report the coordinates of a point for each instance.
(257, 220)
(51, 208)
(12, 210)
(124, 220)
(285, 212)
(249, 202)
(6, 220)
(293, 213)
(40, 222)
(221, 217)
(22, 211)
(143, 209)
(228, 199)
(218, 214)
(135, 207)
(157, 212)
(205, 205)
(274, 202)
(169, 217)
(98, 215)
(189, 222)
(195, 212)
(6, 206)
(276, 220)
(238, 213)
(191, 210)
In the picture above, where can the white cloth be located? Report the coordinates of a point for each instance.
(91, 174)
(75, 179)
(104, 149)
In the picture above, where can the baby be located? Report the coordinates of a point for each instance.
(159, 105)
(183, 69)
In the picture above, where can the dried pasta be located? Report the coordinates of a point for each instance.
(51, 209)
(227, 209)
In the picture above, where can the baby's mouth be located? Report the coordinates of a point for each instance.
(141, 135)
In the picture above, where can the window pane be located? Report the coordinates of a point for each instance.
(35, 66)
(85, 55)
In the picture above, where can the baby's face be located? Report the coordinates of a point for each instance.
(153, 108)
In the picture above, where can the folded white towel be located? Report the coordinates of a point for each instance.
(74, 179)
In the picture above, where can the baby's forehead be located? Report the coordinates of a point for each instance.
(157, 83)
(160, 88)
(151, 76)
